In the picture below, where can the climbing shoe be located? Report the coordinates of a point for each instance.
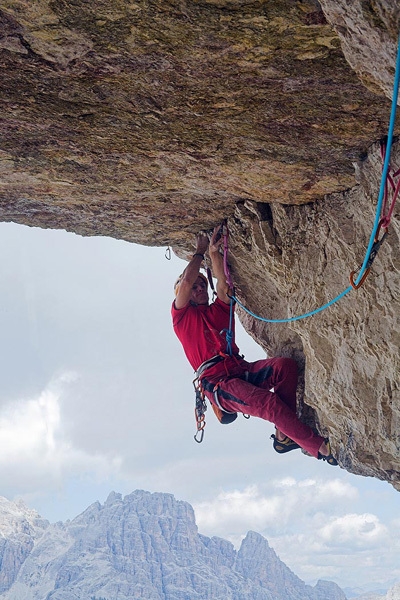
(330, 459)
(285, 445)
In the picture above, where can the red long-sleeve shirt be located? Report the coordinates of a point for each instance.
(200, 330)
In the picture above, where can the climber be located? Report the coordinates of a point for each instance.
(265, 388)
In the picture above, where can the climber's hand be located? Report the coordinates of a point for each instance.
(201, 243)
(216, 239)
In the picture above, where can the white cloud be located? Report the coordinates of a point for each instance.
(287, 501)
(337, 546)
(306, 522)
(316, 492)
(34, 446)
(312, 557)
(237, 511)
(354, 530)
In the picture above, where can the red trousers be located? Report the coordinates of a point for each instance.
(253, 396)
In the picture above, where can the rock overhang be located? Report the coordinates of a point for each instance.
(149, 121)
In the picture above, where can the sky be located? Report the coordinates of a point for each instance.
(96, 396)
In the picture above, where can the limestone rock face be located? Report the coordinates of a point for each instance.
(352, 348)
(116, 113)
(368, 32)
(150, 120)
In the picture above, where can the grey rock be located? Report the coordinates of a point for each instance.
(20, 528)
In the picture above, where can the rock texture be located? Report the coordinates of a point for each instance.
(150, 120)
(147, 546)
(19, 528)
(352, 348)
(368, 32)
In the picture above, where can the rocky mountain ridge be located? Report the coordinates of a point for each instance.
(141, 546)
(392, 594)
(151, 120)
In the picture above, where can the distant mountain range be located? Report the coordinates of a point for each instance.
(392, 594)
(141, 546)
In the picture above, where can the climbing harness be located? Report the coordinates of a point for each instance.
(379, 222)
(200, 402)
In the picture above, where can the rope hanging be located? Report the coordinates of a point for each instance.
(379, 222)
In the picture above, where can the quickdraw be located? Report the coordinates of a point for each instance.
(228, 332)
(210, 280)
(225, 234)
(199, 412)
(387, 211)
(374, 251)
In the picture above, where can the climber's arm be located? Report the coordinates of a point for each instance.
(217, 265)
(191, 272)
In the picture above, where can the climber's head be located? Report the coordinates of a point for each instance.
(199, 289)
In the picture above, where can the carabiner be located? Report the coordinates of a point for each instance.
(200, 424)
(354, 285)
(374, 251)
(201, 432)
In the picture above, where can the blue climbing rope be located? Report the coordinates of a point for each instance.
(372, 240)
(386, 164)
(304, 316)
(229, 333)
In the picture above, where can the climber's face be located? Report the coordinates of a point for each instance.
(199, 292)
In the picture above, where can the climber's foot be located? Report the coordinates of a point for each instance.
(325, 453)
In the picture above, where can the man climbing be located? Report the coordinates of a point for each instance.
(265, 388)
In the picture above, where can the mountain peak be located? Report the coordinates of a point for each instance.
(112, 498)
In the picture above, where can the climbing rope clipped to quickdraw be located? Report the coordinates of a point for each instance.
(382, 216)
(387, 211)
(374, 251)
(228, 332)
(385, 216)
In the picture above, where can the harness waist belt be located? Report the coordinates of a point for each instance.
(207, 364)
